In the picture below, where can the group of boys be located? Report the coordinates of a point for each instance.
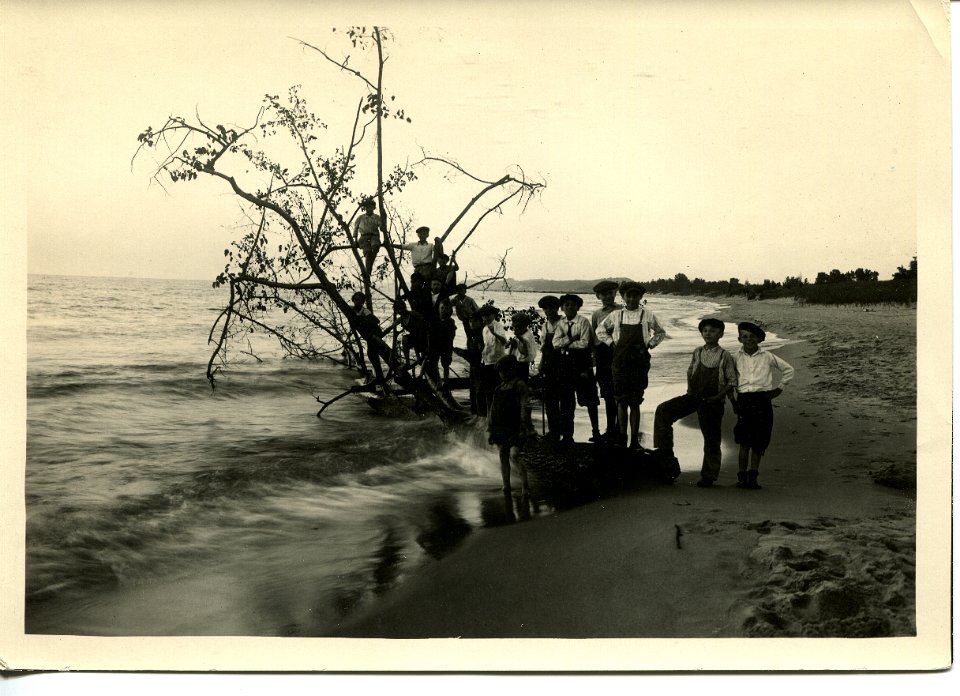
(610, 351)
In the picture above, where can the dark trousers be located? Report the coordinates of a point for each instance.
(551, 403)
(490, 378)
(710, 417)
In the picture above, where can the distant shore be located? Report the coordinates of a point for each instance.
(822, 550)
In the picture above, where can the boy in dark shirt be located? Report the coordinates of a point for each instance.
(508, 423)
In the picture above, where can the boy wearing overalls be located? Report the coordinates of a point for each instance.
(632, 331)
(711, 377)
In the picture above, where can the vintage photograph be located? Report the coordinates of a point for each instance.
(478, 323)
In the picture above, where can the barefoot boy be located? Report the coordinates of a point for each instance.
(711, 377)
(574, 340)
(508, 424)
(761, 376)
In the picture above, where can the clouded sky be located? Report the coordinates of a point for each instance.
(748, 139)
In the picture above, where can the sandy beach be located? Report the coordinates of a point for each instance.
(825, 549)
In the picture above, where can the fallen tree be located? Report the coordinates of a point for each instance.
(297, 254)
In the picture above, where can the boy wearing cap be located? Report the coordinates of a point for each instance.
(606, 292)
(632, 331)
(711, 377)
(761, 376)
(574, 339)
(550, 365)
(421, 252)
(366, 230)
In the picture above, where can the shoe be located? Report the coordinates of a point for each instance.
(704, 483)
(752, 480)
(741, 479)
(567, 440)
(596, 437)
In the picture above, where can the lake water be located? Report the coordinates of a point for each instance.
(156, 506)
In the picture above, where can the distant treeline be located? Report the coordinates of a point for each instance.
(861, 286)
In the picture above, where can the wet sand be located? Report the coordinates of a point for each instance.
(825, 549)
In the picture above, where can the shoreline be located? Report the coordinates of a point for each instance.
(821, 551)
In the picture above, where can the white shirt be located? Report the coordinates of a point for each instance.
(493, 349)
(762, 371)
(608, 330)
(526, 348)
(420, 252)
(580, 331)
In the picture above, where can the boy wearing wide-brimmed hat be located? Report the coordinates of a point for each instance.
(550, 365)
(606, 292)
(574, 339)
(631, 331)
(761, 377)
(711, 377)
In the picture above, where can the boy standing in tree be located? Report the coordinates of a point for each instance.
(761, 378)
(606, 292)
(366, 230)
(421, 252)
(711, 377)
(574, 340)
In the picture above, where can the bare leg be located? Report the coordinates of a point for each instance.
(505, 466)
(521, 469)
(635, 425)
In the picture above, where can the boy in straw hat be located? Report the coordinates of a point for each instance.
(574, 339)
(632, 331)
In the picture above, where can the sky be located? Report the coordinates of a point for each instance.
(725, 139)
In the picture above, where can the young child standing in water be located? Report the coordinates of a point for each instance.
(711, 377)
(761, 377)
(508, 423)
